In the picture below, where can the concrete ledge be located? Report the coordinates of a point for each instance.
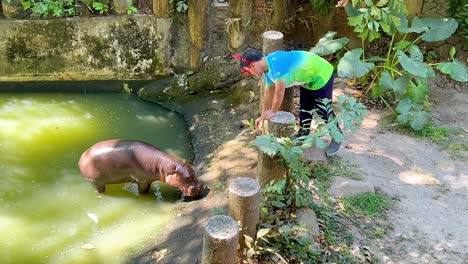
(97, 48)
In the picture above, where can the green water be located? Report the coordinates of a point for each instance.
(48, 212)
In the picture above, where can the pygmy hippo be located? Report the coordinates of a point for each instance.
(119, 161)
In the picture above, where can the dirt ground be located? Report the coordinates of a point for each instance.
(429, 221)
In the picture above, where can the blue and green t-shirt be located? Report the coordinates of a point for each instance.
(298, 68)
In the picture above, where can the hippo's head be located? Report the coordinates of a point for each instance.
(184, 178)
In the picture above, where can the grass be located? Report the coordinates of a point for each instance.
(366, 204)
(449, 139)
(336, 167)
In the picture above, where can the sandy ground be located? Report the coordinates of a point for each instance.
(430, 218)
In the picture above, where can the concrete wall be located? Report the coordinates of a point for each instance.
(100, 48)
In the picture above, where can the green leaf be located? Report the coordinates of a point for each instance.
(351, 66)
(417, 68)
(415, 28)
(419, 94)
(401, 45)
(336, 134)
(377, 91)
(268, 144)
(351, 11)
(319, 143)
(39, 8)
(456, 70)
(250, 252)
(278, 204)
(328, 45)
(418, 119)
(262, 232)
(436, 29)
(400, 86)
(381, 3)
(355, 20)
(403, 108)
(452, 52)
(416, 53)
(386, 82)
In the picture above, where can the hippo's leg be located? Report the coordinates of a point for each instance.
(144, 187)
(99, 188)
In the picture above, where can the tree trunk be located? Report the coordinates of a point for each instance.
(414, 8)
(280, 13)
(240, 13)
(161, 8)
(198, 26)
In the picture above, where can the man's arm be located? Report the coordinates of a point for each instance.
(280, 87)
(267, 98)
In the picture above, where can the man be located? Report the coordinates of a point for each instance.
(285, 69)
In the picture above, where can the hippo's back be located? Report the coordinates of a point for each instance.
(116, 157)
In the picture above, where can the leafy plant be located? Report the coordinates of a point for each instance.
(279, 235)
(101, 6)
(181, 6)
(402, 73)
(369, 18)
(458, 9)
(131, 8)
(323, 6)
(46, 8)
(60, 8)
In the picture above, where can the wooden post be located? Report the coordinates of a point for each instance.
(161, 8)
(244, 206)
(12, 8)
(220, 240)
(198, 24)
(273, 41)
(272, 168)
(280, 14)
(240, 13)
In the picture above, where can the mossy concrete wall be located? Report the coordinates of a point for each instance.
(101, 48)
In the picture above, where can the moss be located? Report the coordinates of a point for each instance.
(100, 50)
(135, 48)
(40, 48)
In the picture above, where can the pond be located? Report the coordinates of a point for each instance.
(49, 212)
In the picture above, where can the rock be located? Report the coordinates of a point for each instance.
(315, 155)
(345, 187)
(307, 218)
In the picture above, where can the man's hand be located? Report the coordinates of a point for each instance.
(267, 115)
(342, 3)
(258, 121)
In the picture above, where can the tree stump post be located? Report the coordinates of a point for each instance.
(12, 8)
(273, 41)
(161, 8)
(272, 168)
(220, 240)
(244, 206)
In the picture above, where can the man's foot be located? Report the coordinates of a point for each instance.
(333, 148)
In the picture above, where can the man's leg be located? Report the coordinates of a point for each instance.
(310, 100)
